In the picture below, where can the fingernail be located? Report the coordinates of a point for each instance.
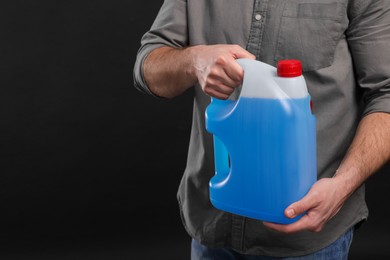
(290, 213)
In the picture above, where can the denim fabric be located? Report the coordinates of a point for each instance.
(338, 250)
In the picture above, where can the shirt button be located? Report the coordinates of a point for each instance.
(258, 17)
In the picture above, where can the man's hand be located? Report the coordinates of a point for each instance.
(216, 68)
(170, 71)
(323, 201)
(369, 151)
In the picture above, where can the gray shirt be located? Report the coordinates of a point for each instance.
(344, 47)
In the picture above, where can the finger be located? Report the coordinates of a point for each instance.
(223, 89)
(306, 203)
(229, 70)
(227, 80)
(218, 80)
(234, 72)
(233, 69)
(216, 94)
(241, 53)
(217, 89)
(303, 223)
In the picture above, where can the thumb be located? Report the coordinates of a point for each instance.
(240, 53)
(301, 206)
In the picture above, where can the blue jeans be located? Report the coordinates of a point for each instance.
(337, 250)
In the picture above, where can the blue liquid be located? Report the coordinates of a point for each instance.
(265, 155)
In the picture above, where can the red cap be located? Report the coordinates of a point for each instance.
(289, 68)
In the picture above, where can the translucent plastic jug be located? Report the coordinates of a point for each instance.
(264, 143)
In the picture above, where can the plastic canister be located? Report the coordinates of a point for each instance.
(264, 143)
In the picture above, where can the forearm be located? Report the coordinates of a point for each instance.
(369, 151)
(168, 71)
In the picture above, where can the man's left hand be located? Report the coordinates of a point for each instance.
(322, 202)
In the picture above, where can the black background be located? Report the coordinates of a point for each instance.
(89, 165)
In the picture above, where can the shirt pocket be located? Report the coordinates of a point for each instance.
(309, 32)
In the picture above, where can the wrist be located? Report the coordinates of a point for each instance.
(347, 181)
(191, 57)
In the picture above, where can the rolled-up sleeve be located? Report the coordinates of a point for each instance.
(369, 42)
(168, 29)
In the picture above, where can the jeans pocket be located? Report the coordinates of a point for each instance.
(310, 31)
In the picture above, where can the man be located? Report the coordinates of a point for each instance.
(344, 47)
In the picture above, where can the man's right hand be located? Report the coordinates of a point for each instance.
(216, 68)
(170, 71)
